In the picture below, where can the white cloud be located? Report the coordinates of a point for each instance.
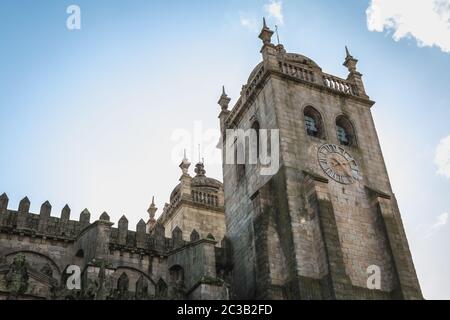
(441, 221)
(442, 158)
(428, 21)
(247, 22)
(275, 10)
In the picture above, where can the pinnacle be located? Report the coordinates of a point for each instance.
(104, 216)
(347, 52)
(46, 204)
(25, 200)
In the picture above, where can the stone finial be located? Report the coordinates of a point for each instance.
(158, 232)
(347, 52)
(200, 169)
(185, 164)
(24, 210)
(3, 208)
(4, 200)
(354, 76)
(65, 213)
(280, 48)
(266, 34)
(85, 218)
(24, 205)
(140, 225)
(123, 220)
(104, 217)
(224, 100)
(46, 209)
(65, 218)
(152, 209)
(177, 237)
(195, 236)
(123, 230)
(350, 62)
(140, 233)
(177, 232)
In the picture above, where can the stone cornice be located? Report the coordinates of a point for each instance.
(250, 91)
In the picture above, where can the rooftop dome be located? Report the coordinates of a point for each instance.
(199, 181)
(204, 181)
(175, 191)
(299, 58)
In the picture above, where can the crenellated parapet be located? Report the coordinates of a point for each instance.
(129, 264)
(43, 225)
(24, 222)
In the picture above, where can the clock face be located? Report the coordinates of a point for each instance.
(338, 164)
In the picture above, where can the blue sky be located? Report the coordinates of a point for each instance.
(88, 116)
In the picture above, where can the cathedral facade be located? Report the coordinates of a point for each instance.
(319, 227)
(312, 230)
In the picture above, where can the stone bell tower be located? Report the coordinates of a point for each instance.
(327, 224)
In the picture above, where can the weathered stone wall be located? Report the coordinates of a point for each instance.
(207, 291)
(115, 263)
(362, 239)
(238, 204)
(197, 261)
(204, 221)
(287, 251)
(39, 252)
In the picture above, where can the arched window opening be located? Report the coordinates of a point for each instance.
(80, 254)
(123, 284)
(161, 289)
(256, 127)
(345, 131)
(240, 167)
(313, 123)
(176, 275)
(176, 278)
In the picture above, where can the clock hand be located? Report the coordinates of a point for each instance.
(343, 165)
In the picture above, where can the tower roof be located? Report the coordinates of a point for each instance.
(293, 58)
